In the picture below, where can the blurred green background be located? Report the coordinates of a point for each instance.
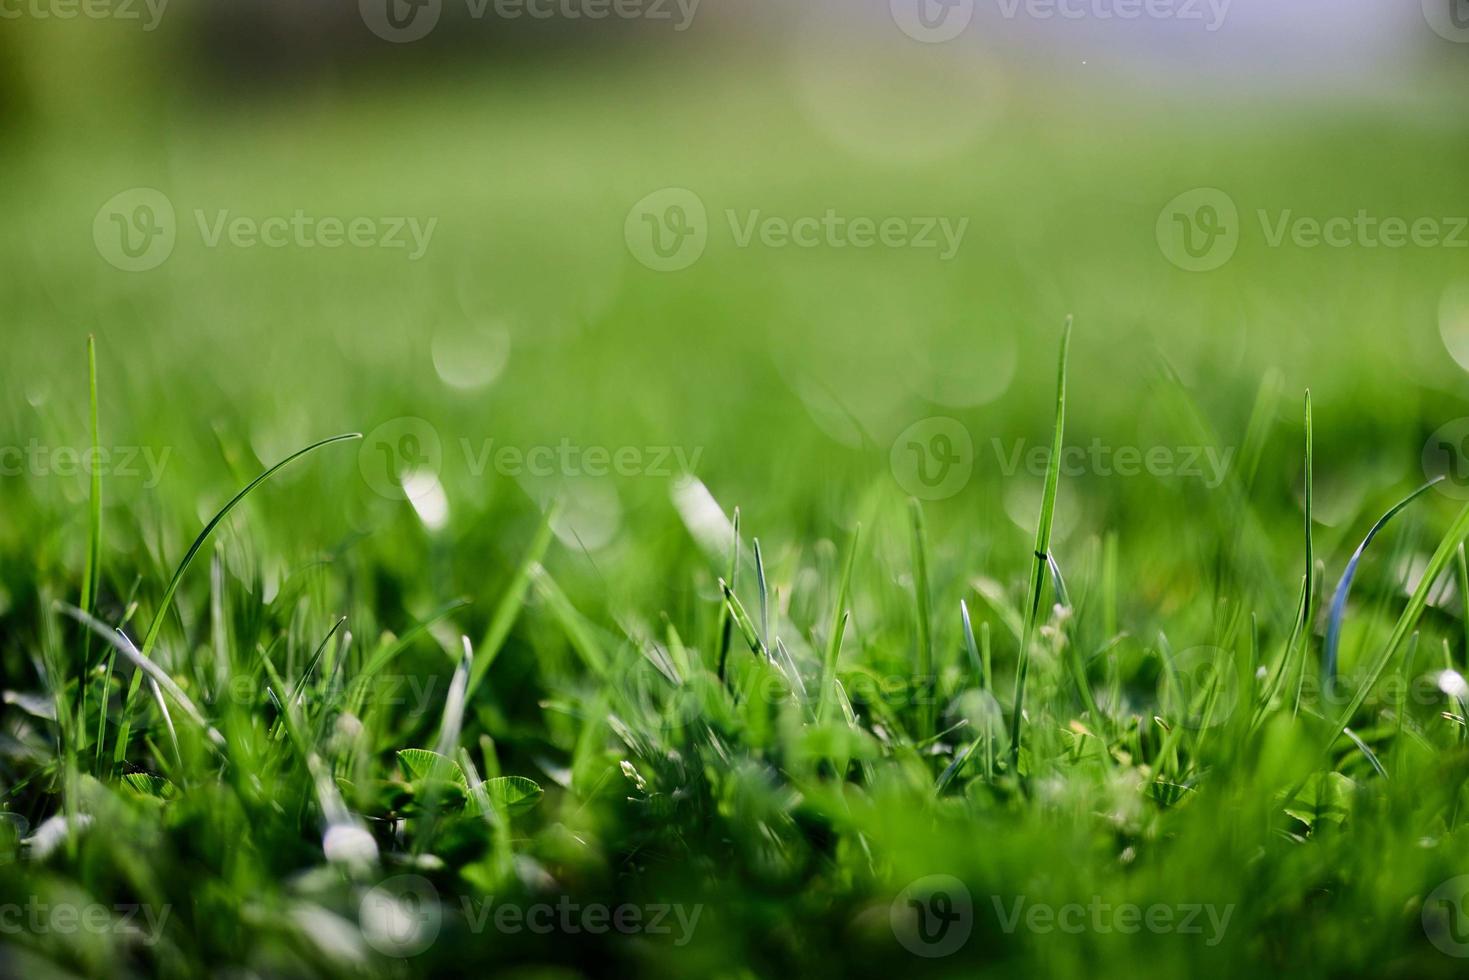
(789, 378)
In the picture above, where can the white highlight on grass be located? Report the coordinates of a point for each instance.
(426, 494)
(1452, 683)
(703, 516)
(53, 832)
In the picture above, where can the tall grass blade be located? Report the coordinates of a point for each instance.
(1344, 587)
(1042, 550)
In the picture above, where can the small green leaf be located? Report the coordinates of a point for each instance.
(508, 794)
(424, 766)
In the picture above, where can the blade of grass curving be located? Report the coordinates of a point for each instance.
(123, 645)
(512, 602)
(151, 637)
(1344, 587)
(1042, 550)
(925, 627)
(1447, 548)
(838, 627)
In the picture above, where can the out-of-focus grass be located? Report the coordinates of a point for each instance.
(789, 373)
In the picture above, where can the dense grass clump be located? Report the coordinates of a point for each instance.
(807, 764)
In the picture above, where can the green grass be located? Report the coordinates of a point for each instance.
(776, 693)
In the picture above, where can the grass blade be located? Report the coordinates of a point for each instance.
(1042, 549)
(925, 628)
(151, 637)
(1344, 587)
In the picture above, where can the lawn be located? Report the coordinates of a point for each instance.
(609, 519)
